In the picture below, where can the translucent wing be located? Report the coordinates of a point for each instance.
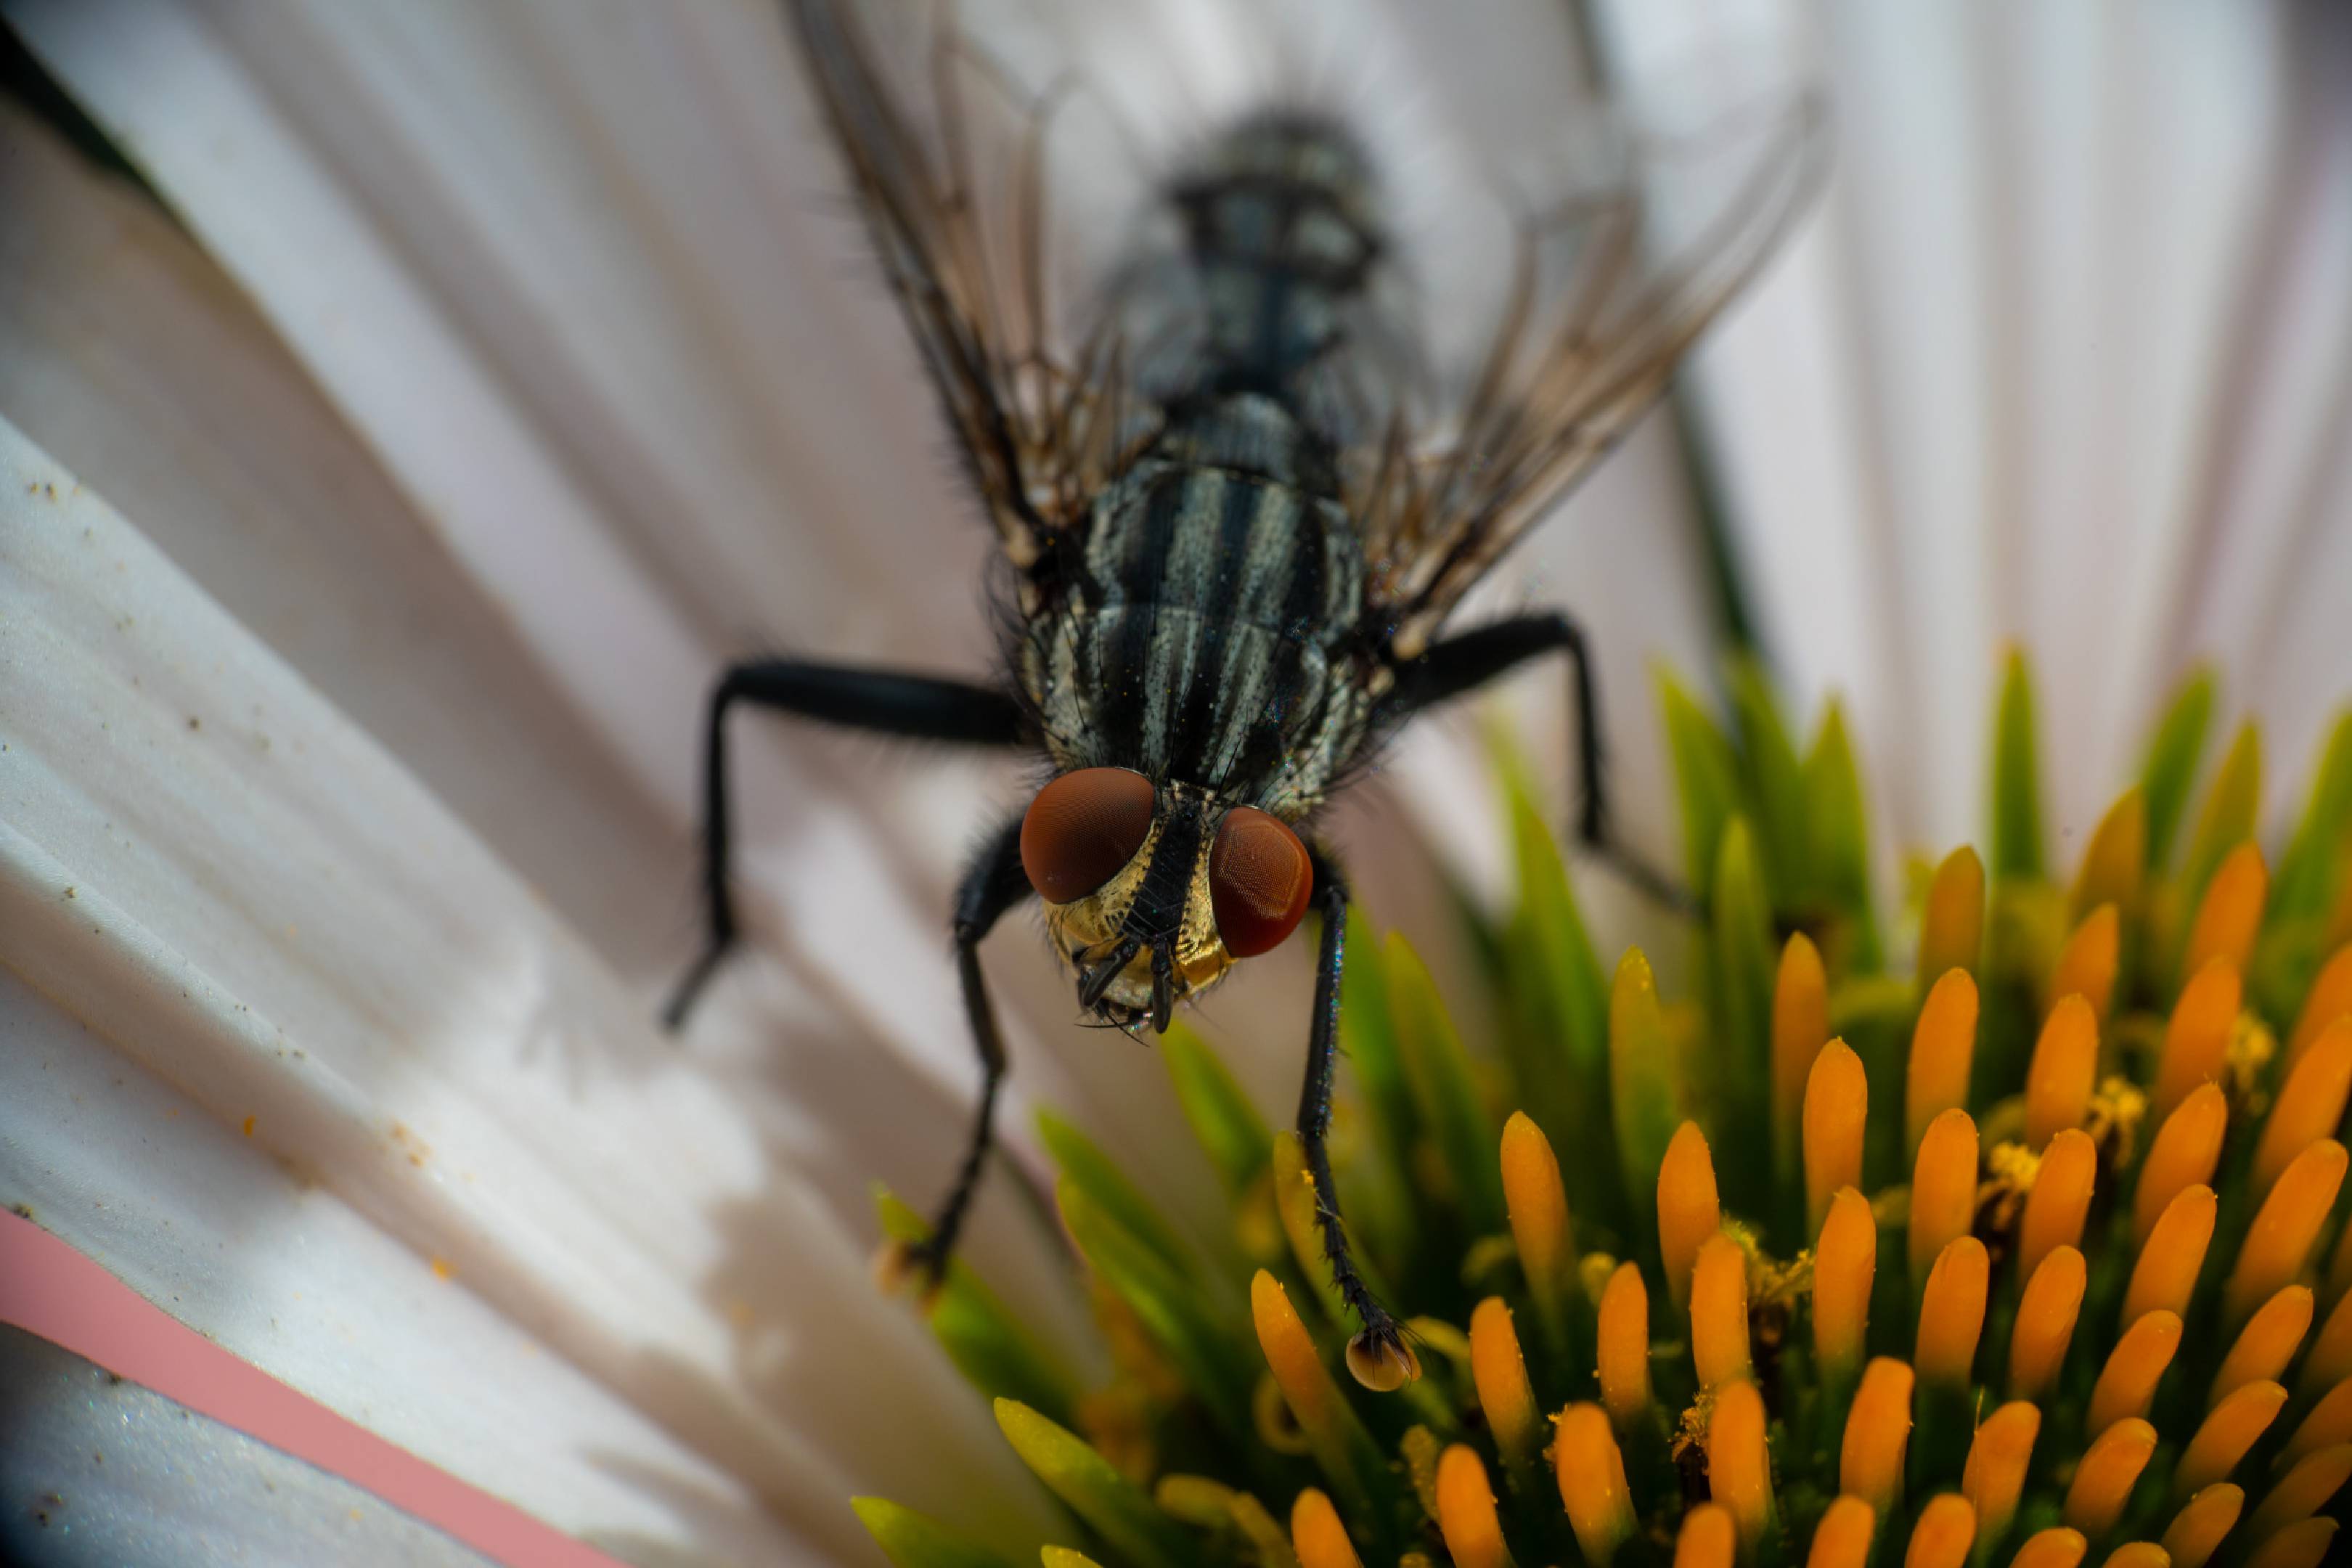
(962, 241)
(1609, 290)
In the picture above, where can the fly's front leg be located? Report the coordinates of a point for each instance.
(880, 702)
(1465, 663)
(992, 884)
(1378, 1355)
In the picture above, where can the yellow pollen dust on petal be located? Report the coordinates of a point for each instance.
(2329, 1423)
(1688, 1209)
(2197, 1037)
(2228, 1429)
(2311, 1105)
(2059, 1201)
(1592, 1475)
(2266, 1344)
(2112, 863)
(2303, 1491)
(2046, 1323)
(1994, 1476)
(1317, 1534)
(1623, 1341)
(2057, 1547)
(1841, 1539)
(1708, 1538)
(2301, 1545)
(1499, 1372)
(2197, 1531)
(2285, 1227)
(2128, 1383)
(2330, 998)
(1943, 1046)
(1738, 1470)
(2187, 1149)
(1845, 1263)
(1465, 1511)
(2229, 916)
(2087, 963)
(2166, 1275)
(1718, 1311)
(1952, 1313)
(1877, 1433)
(1951, 926)
(1943, 1189)
(2103, 1481)
(1945, 1530)
(2064, 1069)
(1537, 1202)
(1837, 1105)
(1800, 1024)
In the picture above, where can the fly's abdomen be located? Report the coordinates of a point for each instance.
(1264, 284)
(1279, 224)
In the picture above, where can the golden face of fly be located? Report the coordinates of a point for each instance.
(1089, 931)
(1152, 894)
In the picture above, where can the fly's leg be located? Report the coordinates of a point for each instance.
(1463, 663)
(880, 701)
(992, 884)
(1378, 1355)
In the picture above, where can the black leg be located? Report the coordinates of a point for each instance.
(1463, 663)
(1378, 1355)
(992, 884)
(881, 702)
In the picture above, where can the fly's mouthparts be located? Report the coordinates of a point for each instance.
(1164, 986)
(1097, 982)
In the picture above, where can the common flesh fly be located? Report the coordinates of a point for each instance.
(1236, 509)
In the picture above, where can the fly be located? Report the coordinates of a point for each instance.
(1234, 549)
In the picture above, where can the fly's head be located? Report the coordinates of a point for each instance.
(1151, 893)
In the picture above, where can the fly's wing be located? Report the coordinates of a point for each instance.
(1036, 422)
(1609, 289)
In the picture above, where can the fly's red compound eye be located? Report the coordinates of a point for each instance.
(1259, 882)
(1081, 828)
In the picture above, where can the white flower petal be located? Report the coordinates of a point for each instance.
(2051, 367)
(333, 163)
(127, 356)
(124, 350)
(127, 348)
(123, 1476)
(269, 919)
(2274, 552)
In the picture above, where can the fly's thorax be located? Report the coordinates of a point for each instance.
(1161, 896)
(1210, 627)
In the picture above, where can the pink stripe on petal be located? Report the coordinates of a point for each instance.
(49, 1290)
